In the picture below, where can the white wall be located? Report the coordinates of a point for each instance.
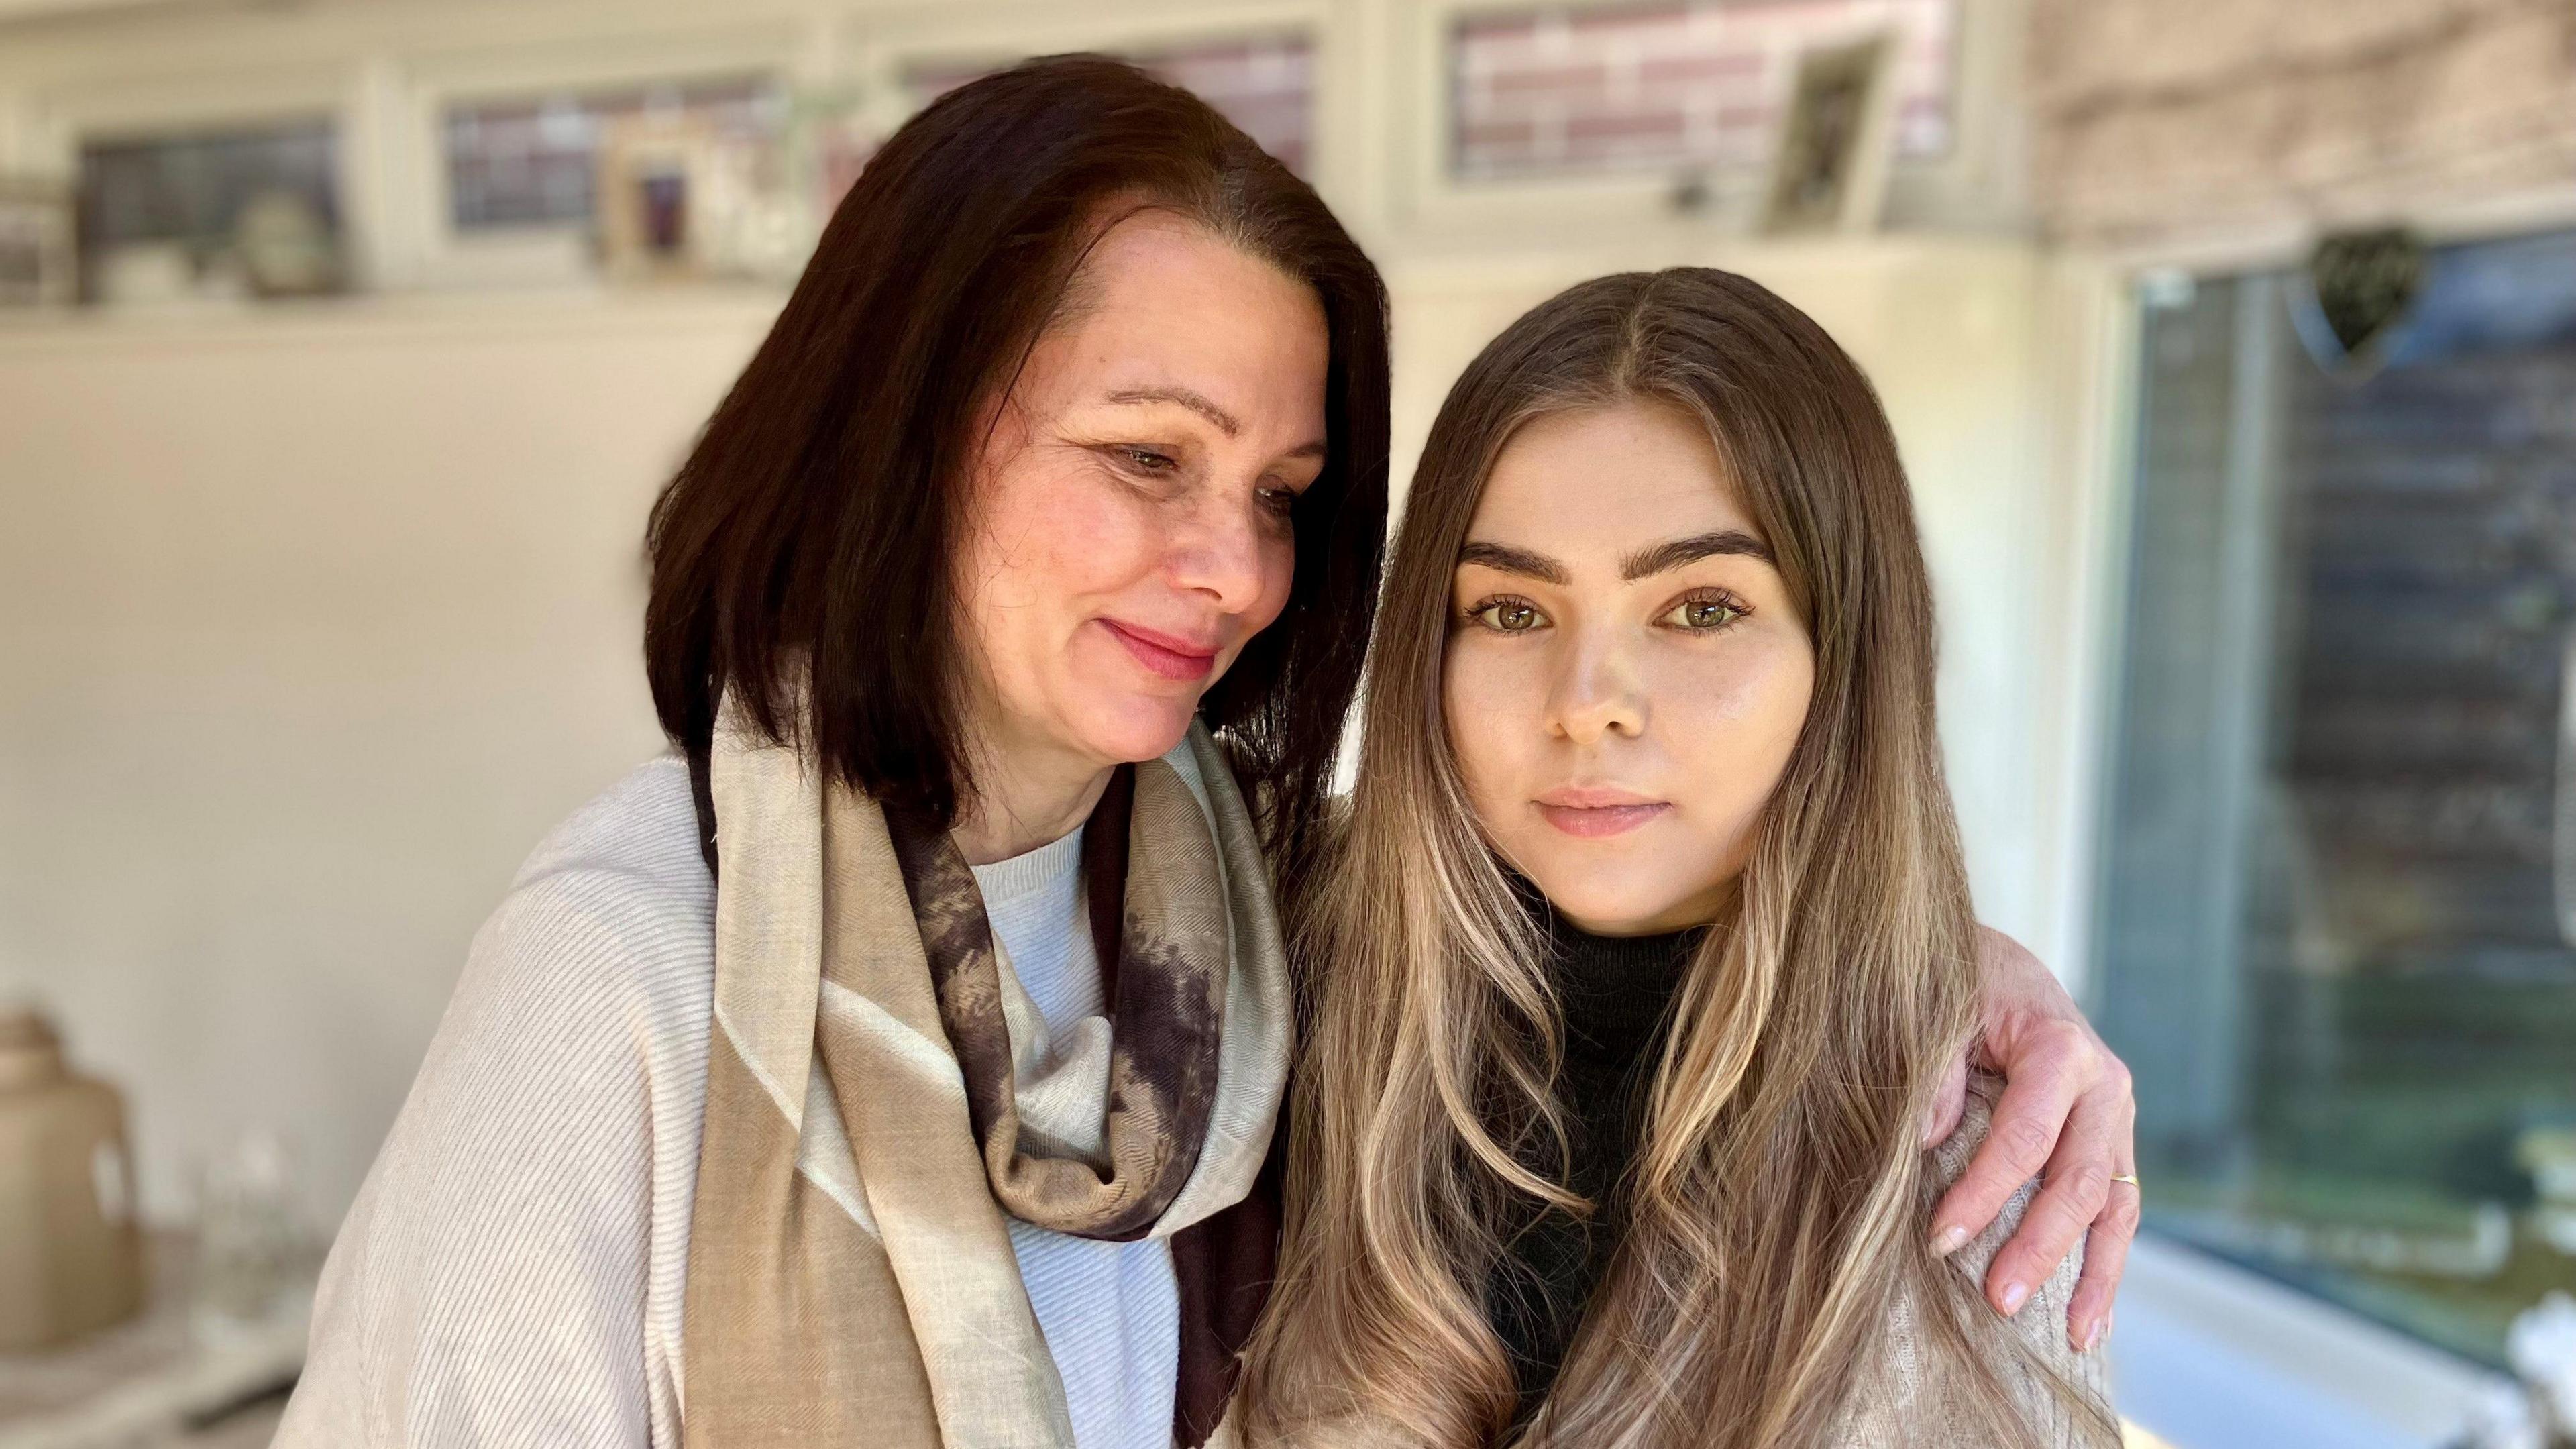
(309, 628)
(310, 625)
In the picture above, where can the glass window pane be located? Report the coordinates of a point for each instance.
(2340, 860)
(1264, 84)
(534, 160)
(1564, 90)
(191, 188)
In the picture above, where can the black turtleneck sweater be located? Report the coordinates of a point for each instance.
(1617, 994)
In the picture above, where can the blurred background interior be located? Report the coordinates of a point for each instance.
(2232, 347)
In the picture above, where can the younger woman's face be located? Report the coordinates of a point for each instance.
(1128, 523)
(1625, 677)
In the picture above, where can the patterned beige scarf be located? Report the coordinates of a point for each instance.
(881, 1095)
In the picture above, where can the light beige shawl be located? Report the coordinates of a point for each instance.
(881, 1094)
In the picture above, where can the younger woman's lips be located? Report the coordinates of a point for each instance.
(1596, 821)
(1160, 656)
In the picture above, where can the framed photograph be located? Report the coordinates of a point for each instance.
(652, 203)
(39, 258)
(1829, 172)
(680, 199)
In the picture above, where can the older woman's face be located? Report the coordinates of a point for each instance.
(1128, 524)
(1626, 676)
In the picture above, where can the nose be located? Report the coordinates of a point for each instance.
(1596, 692)
(1219, 551)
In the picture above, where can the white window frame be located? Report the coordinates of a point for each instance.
(2238, 1360)
(61, 121)
(888, 46)
(447, 258)
(1423, 196)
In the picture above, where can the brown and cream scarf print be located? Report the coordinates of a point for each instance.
(882, 1096)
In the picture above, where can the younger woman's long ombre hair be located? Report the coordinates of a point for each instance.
(1778, 1201)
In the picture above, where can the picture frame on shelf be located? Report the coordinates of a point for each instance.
(681, 200)
(1830, 166)
(653, 199)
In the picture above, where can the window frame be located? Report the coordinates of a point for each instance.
(2315, 1358)
(447, 257)
(2243, 1362)
(1424, 197)
(58, 125)
(889, 47)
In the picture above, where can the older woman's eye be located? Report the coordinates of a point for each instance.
(1702, 613)
(1146, 459)
(1508, 616)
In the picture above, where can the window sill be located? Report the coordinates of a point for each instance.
(727, 305)
(2209, 1356)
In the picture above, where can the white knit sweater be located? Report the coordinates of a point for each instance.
(511, 1273)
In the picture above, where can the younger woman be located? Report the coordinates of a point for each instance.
(1650, 939)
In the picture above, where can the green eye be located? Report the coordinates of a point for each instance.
(1700, 615)
(1508, 616)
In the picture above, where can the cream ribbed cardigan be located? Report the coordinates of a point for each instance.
(1890, 1404)
(513, 1270)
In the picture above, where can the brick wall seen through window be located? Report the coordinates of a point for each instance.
(1624, 88)
(1264, 84)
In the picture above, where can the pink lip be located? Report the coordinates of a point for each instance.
(1592, 812)
(1165, 654)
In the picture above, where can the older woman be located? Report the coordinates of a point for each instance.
(895, 1064)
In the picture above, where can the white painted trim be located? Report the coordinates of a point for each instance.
(2282, 241)
(972, 32)
(15, 10)
(724, 309)
(145, 107)
(2089, 320)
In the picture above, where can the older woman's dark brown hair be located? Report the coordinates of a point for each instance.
(804, 544)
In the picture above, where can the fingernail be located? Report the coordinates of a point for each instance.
(2014, 1293)
(1949, 1240)
(2093, 1336)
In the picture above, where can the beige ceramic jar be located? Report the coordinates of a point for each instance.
(70, 1255)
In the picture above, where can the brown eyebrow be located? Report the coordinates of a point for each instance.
(1226, 422)
(1514, 561)
(1198, 402)
(1675, 553)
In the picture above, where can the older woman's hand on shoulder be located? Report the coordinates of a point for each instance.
(2068, 1116)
